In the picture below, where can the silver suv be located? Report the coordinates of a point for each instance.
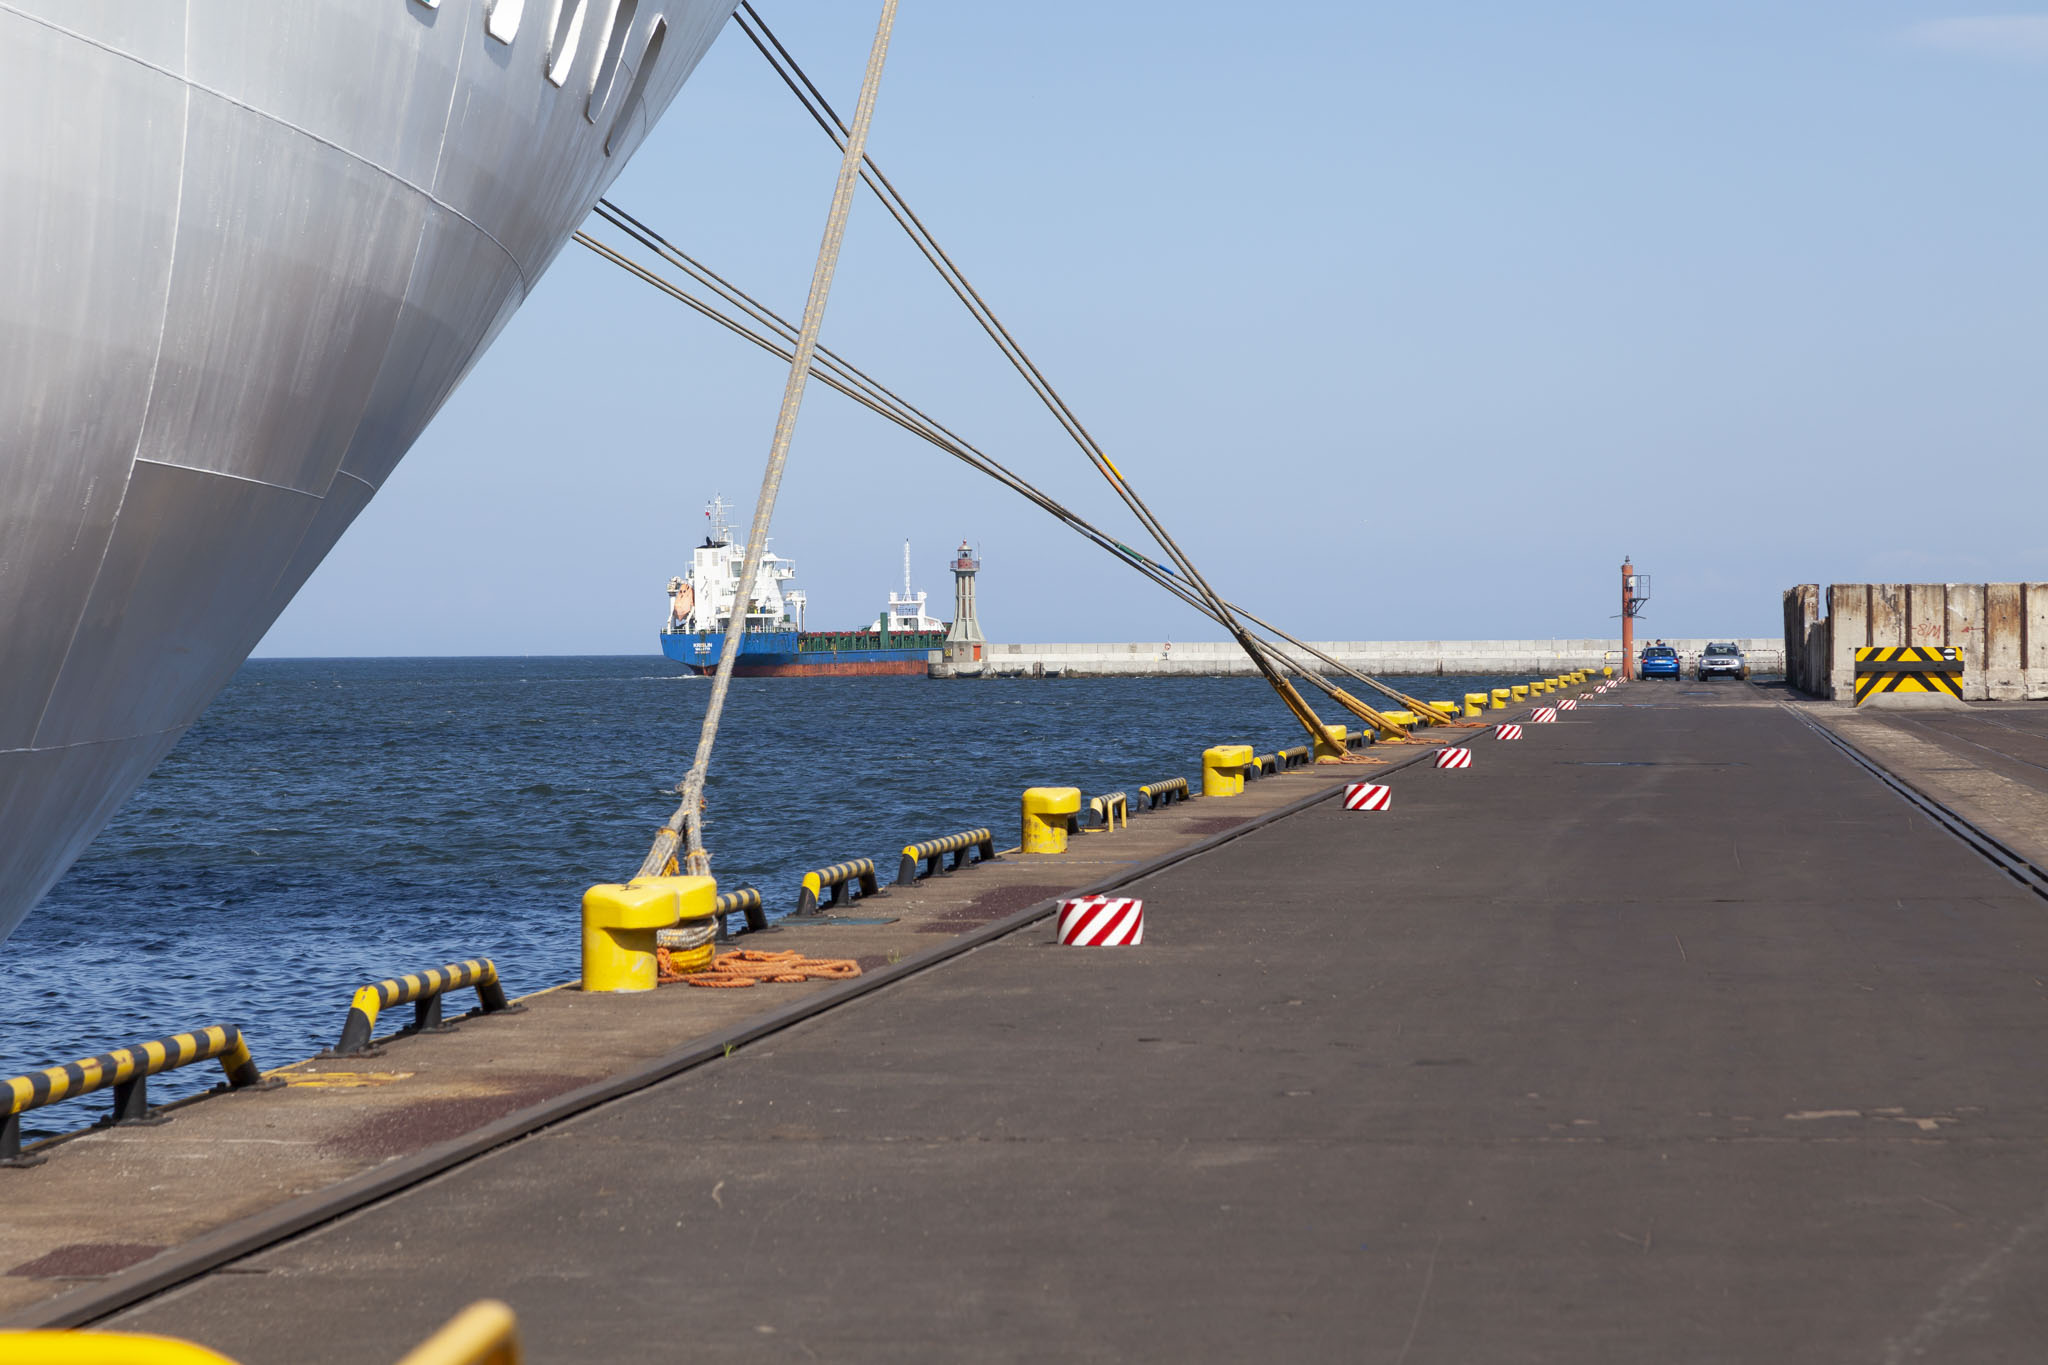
(1721, 660)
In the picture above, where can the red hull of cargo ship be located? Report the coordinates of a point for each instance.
(895, 667)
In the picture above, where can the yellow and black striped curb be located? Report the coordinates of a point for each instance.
(929, 858)
(745, 898)
(1105, 811)
(1909, 668)
(1297, 757)
(830, 885)
(1157, 794)
(423, 990)
(127, 1071)
(1263, 765)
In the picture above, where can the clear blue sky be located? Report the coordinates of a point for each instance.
(1411, 319)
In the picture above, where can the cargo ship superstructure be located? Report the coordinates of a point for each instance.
(247, 250)
(773, 642)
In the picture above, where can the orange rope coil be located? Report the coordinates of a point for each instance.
(744, 967)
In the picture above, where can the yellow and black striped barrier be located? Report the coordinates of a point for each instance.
(423, 991)
(828, 886)
(1157, 794)
(1103, 812)
(1359, 740)
(928, 859)
(1893, 669)
(127, 1071)
(1297, 757)
(1263, 765)
(747, 899)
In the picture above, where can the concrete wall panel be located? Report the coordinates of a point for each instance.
(1967, 631)
(2004, 631)
(1848, 631)
(1927, 621)
(1886, 623)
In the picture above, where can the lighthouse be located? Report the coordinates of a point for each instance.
(964, 641)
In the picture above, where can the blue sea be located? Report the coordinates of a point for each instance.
(333, 822)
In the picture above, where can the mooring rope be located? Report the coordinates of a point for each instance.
(840, 375)
(688, 816)
(956, 280)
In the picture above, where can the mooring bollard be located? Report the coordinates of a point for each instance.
(1324, 749)
(1521, 692)
(1049, 813)
(929, 858)
(125, 1071)
(1475, 704)
(1223, 769)
(423, 991)
(1501, 696)
(619, 923)
(1397, 723)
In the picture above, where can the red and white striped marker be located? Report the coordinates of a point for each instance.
(1507, 732)
(1569, 704)
(1544, 715)
(1458, 757)
(1102, 921)
(1585, 696)
(1367, 796)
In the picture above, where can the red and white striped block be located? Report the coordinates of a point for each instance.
(1569, 704)
(1458, 757)
(1367, 796)
(1544, 715)
(1102, 921)
(1507, 732)
(1585, 696)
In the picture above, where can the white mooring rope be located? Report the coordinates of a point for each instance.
(688, 815)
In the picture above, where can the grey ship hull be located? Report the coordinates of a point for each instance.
(247, 249)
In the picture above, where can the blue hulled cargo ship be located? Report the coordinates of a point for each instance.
(773, 642)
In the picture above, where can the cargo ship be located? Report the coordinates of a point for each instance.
(774, 643)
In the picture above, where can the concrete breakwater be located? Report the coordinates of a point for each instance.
(1214, 658)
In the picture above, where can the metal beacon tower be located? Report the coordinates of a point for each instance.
(246, 253)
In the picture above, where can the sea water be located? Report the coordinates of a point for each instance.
(329, 823)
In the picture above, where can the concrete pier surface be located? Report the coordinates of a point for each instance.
(1666, 1032)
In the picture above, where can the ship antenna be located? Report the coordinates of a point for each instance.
(906, 568)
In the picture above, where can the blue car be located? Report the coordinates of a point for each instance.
(1659, 661)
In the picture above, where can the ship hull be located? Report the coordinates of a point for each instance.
(786, 654)
(247, 251)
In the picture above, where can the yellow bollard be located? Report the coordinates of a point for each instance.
(1046, 813)
(1401, 718)
(619, 924)
(1223, 769)
(1521, 692)
(1340, 733)
(1475, 702)
(1500, 698)
(1607, 672)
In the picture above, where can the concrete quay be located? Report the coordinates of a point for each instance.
(1389, 658)
(1667, 1032)
(234, 1170)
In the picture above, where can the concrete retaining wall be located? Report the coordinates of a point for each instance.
(1390, 657)
(2002, 629)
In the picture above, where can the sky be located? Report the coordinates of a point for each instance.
(1410, 321)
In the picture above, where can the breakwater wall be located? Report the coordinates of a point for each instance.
(1217, 658)
(2001, 629)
